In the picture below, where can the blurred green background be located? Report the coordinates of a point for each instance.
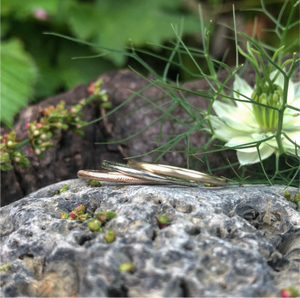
(35, 66)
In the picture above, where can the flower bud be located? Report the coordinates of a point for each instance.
(72, 110)
(17, 159)
(91, 88)
(297, 199)
(110, 236)
(289, 292)
(73, 215)
(83, 217)
(81, 208)
(105, 215)
(36, 132)
(285, 293)
(37, 151)
(162, 221)
(64, 215)
(64, 188)
(94, 225)
(27, 125)
(39, 125)
(287, 195)
(126, 267)
(94, 183)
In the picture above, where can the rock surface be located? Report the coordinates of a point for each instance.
(229, 241)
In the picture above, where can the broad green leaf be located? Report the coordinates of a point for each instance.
(113, 23)
(18, 75)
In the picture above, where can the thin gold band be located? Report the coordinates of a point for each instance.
(112, 177)
(176, 172)
(146, 175)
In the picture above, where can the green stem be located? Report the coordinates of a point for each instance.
(206, 55)
(281, 114)
(284, 32)
(21, 144)
(91, 98)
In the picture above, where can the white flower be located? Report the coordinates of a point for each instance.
(248, 123)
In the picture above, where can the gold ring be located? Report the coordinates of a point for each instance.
(147, 175)
(177, 172)
(112, 177)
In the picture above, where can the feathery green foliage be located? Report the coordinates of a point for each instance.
(18, 75)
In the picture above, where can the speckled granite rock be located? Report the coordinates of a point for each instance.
(234, 242)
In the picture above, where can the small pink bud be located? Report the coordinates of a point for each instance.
(58, 124)
(43, 136)
(91, 88)
(73, 110)
(78, 125)
(102, 217)
(30, 150)
(37, 151)
(285, 293)
(27, 125)
(39, 125)
(17, 159)
(40, 14)
(4, 136)
(72, 214)
(81, 208)
(36, 132)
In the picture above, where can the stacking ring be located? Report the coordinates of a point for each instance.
(176, 172)
(142, 174)
(112, 177)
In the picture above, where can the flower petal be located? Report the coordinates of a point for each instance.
(244, 116)
(237, 124)
(242, 140)
(223, 109)
(297, 90)
(244, 88)
(290, 122)
(280, 82)
(222, 131)
(247, 158)
(289, 146)
(296, 101)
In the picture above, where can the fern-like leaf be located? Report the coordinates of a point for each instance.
(18, 75)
